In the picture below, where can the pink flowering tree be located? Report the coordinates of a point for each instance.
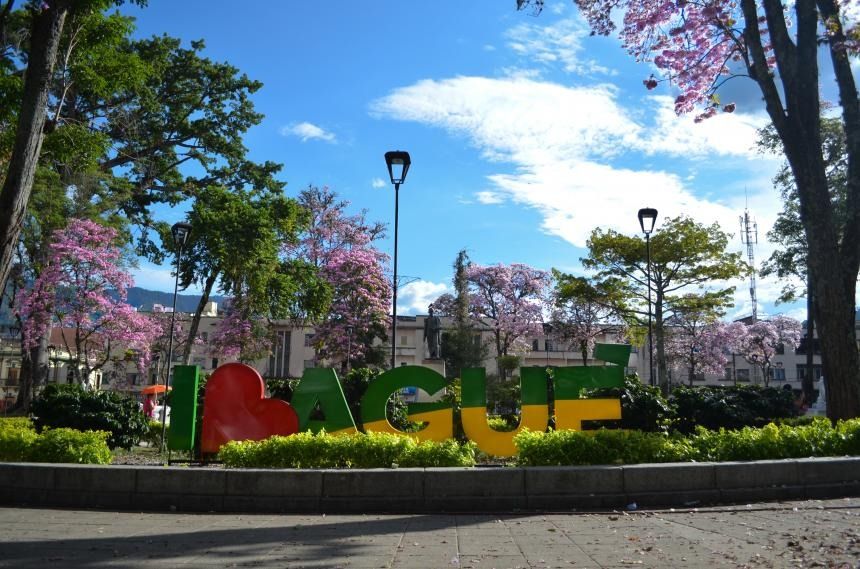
(238, 336)
(161, 343)
(331, 228)
(579, 315)
(704, 346)
(765, 338)
(360, 303)
(508, 299)
(787, 50)
(82, 290)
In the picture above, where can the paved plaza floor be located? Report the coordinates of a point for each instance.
(788, 534)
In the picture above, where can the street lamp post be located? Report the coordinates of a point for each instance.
(648, 216)
(348, 347)
(547, 328)
(398, 163)
(180, 232)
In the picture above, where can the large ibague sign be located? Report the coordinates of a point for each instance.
(235, 406)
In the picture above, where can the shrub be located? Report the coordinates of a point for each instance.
(371, 450)
(72, 407)
(730, 407)
(17, 435)
(152, 437)
(642, 406)
(561, 448)
(69, 445)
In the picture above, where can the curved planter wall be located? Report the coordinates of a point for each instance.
(416, 490)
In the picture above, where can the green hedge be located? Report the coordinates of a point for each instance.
(371, 450)
(19, 442)
(71, 406)
(562, 448)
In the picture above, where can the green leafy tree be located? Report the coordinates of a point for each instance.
(462, 346)
(235, 244)
(789, 261)
(685, 256)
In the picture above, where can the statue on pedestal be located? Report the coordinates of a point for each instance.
(433, 335)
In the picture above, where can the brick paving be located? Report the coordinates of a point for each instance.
(788, 534)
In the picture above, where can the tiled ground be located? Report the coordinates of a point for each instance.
(798, 534)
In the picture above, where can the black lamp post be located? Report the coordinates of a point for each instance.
(180, 232)
(647, 219)
(348, 347)
(398, 163)
(547, 328)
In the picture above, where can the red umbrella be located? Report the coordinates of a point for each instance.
(153, 389)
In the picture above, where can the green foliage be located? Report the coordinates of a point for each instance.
(17, 436)
(371, 450)
(773, 441)
(500, 423)
(730, 407)
(562, 448)
(355, 384)
(642, 406)
(69, 405)
(70, 445)
(152, 437)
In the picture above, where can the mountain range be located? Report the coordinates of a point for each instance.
(143, 299)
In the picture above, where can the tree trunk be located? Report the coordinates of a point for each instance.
(662, 376)
(47, 27)
(34, 372)
(195, 320)
(833, 259)
(808, 384)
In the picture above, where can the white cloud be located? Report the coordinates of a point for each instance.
(489, 198)
(576, 152)
(415, 297)
(308, 131)
(378, 183)
(558, 44)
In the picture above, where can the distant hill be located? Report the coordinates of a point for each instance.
(143, 299)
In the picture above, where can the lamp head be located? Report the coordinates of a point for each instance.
(647, 219)
(180, 232)
(398, 163)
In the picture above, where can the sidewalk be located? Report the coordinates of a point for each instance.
(791, 534)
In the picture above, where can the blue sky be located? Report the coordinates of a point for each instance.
(525, 133)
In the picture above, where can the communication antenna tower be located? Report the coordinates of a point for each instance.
(749, 237)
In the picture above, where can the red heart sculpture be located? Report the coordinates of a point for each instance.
(235, 409)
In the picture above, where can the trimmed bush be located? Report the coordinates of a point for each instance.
(70, 406)
(17, 435)
(642, 406)
(563, 448)
(730, 407)
(567, 448)
(69, 445)
(370, 450)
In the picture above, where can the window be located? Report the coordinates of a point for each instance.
(699, 376)
(214, 363)
(309, 340)
(535, 345)
(279, 360)
(549, 346)
(204, 336)
(309, 364)
(404, 340)
(727, 374)
(780, 349)
(743, 375)
(776, 373)
(132, 378)
(816, 372)
(12, 377)
(634, 349)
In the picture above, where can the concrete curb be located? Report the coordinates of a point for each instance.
(419, 490)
